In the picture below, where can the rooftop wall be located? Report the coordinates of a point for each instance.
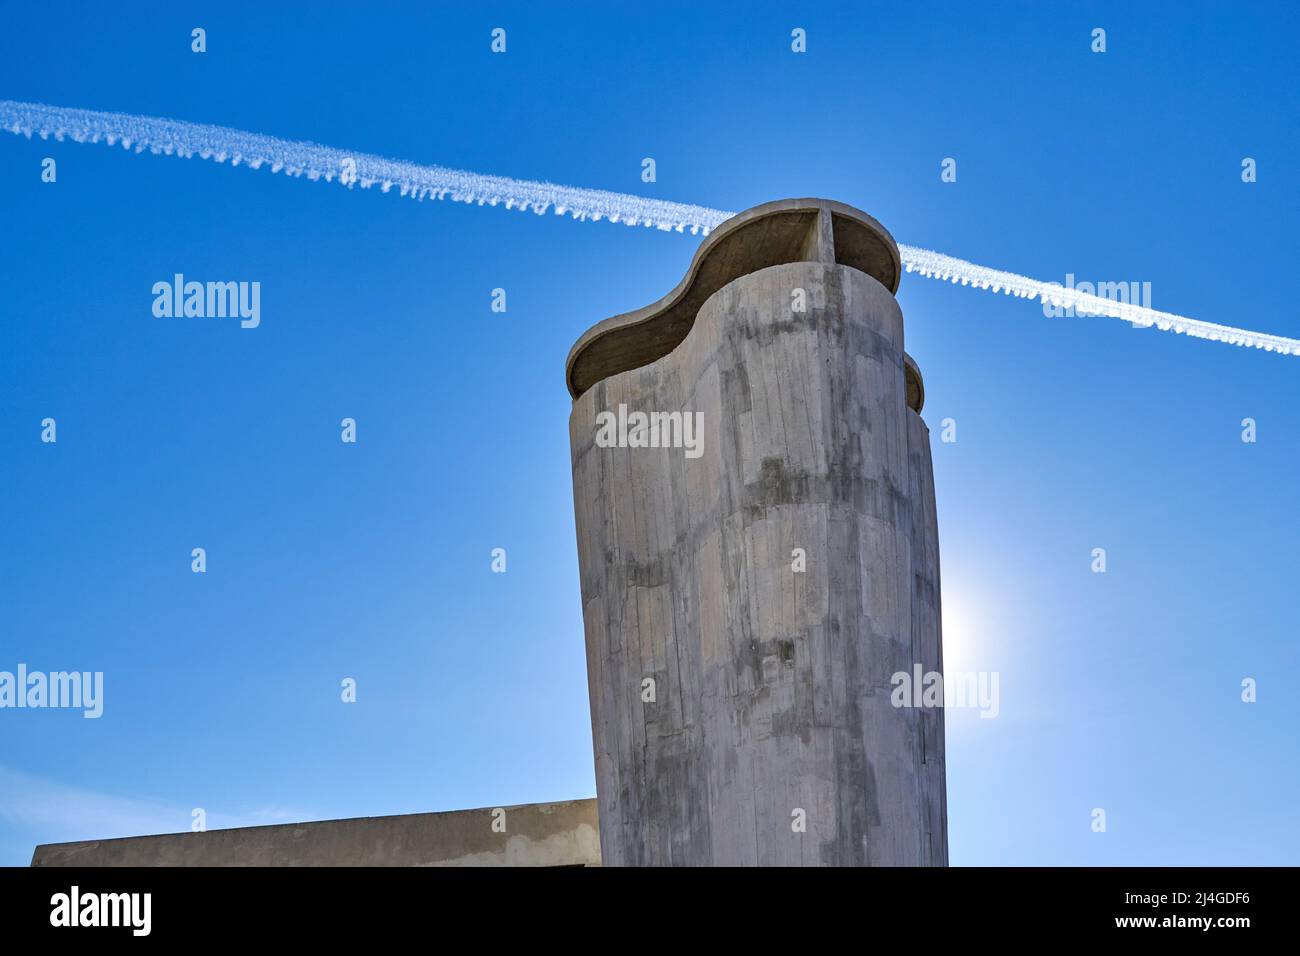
(535, 834)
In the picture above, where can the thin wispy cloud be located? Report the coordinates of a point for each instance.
(54, 811)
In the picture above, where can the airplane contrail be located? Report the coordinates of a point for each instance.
(178, 138)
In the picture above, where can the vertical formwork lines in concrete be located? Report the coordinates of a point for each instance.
(809, 438)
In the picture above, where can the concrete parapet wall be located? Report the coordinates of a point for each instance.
(538, 834)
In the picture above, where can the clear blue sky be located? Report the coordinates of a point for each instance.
(326, 560)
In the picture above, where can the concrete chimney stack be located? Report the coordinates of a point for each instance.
(759, 556)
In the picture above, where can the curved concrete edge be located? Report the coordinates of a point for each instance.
(774, 233)
(915, 384)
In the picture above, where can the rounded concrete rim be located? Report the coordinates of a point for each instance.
(915, 384)
(648, 318)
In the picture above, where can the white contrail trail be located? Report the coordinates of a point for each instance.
(173, 137)
(936, 265)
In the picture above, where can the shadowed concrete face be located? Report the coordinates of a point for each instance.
(747, 607)
(538, 834)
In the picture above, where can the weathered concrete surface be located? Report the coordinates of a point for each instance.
(788, 230)
(536, 834)
(771, 685)
(927, 633)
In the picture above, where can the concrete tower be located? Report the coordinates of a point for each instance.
(759, 556)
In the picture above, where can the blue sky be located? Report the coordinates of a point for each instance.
(371, 561)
